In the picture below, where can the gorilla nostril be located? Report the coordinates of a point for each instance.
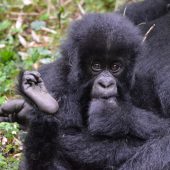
(106, 84)
(110, 84)
(102, 84)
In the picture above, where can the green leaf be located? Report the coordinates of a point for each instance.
(4, 25)
(6, 54)
(3, 164)
(2, 99)
(44, 17)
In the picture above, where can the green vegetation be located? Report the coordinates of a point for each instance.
(30, 34)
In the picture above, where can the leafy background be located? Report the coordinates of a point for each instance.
(30, 35)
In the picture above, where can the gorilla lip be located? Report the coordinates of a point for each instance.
(104, 96)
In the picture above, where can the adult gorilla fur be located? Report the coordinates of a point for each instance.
(152, 70)
(130, 129)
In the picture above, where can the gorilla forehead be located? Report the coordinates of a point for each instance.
(105, 32)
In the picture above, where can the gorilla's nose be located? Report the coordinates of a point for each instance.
(104, 87)
(106, 83)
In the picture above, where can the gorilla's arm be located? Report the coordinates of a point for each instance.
(95, 151)
(42, 150)
(144, 11)
(20, 110)
(153, 155)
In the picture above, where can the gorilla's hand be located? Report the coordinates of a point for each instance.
(34, 88)
(16, 111)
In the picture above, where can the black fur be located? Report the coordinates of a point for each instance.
(96, 135)
(145, 11)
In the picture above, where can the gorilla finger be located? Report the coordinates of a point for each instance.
(29, 79)
(24, 113)
(35, 74)
(12, 106)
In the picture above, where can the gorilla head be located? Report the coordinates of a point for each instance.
(102, 49)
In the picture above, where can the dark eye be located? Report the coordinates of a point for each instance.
(96, 67)
(116, 67)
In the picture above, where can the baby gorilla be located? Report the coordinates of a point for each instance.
(96, 127)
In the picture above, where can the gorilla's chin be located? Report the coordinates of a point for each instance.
(102, 114)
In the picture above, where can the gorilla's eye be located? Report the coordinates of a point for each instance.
(116, 67)
(96, 67)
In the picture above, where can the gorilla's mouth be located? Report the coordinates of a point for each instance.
(108, 96)
(104, 95)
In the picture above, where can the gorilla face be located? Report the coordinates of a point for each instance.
(106, 49)
(105, 84)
